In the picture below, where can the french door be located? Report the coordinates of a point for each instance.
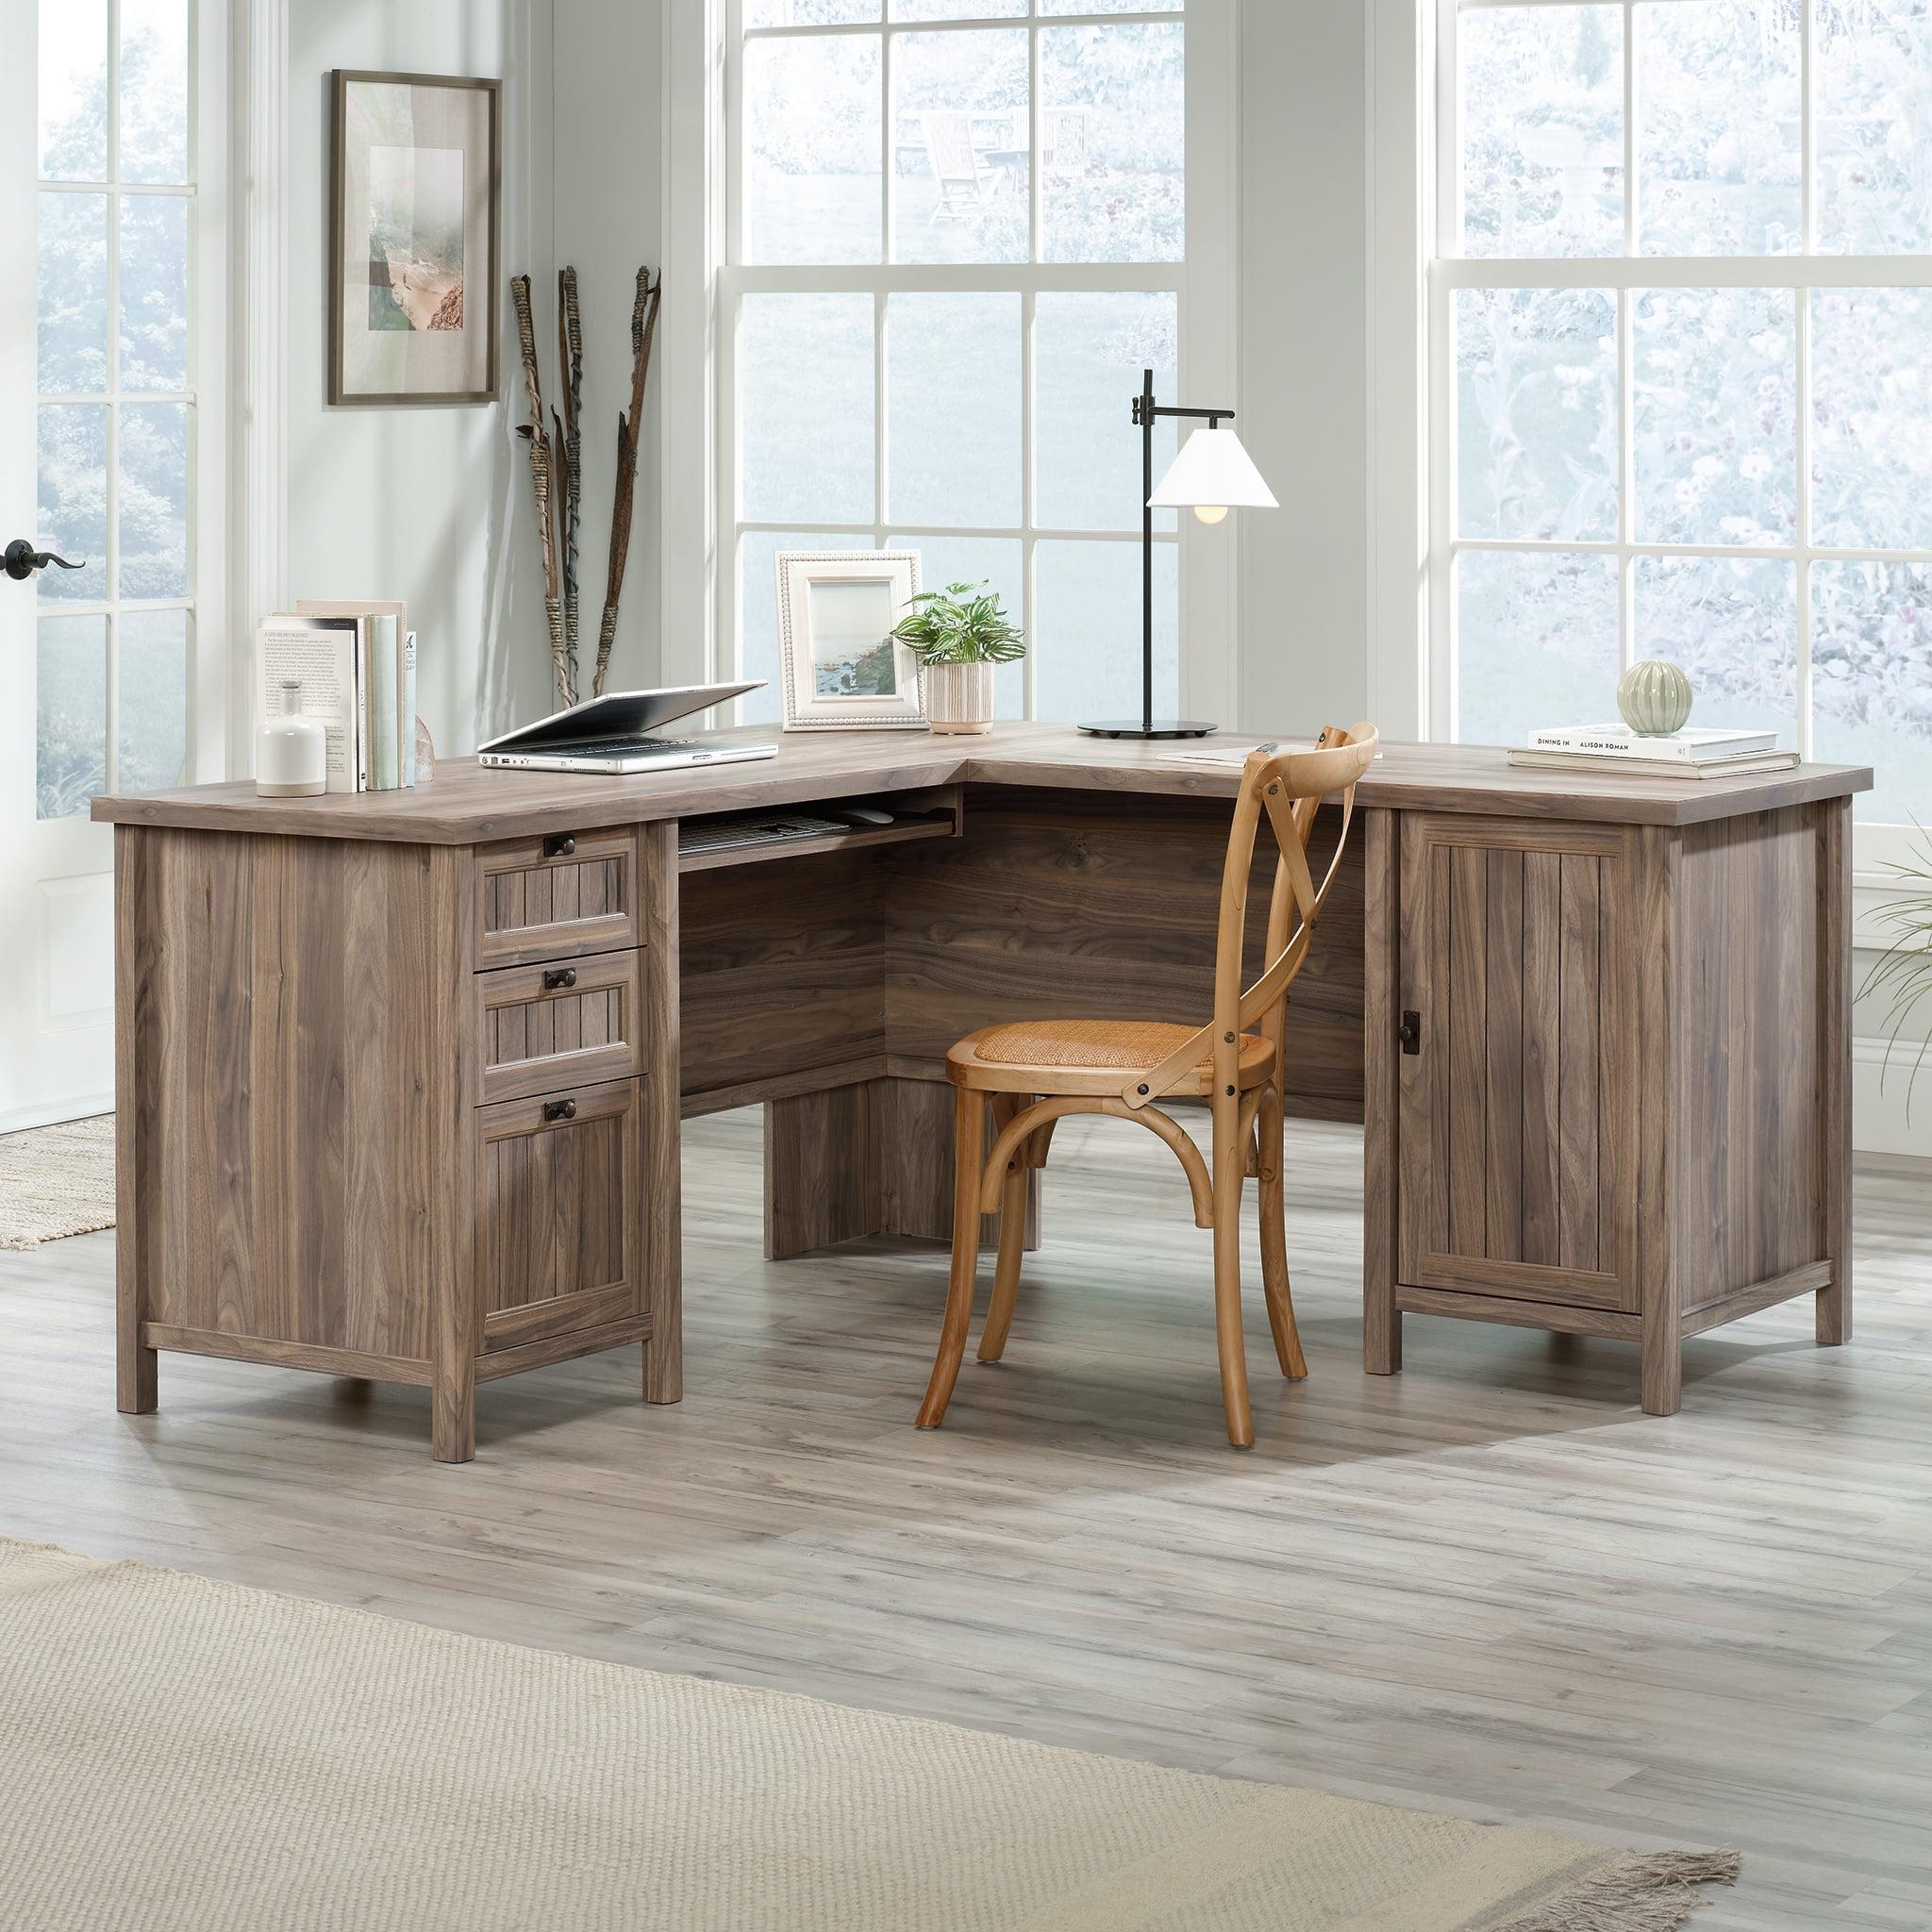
(98, 439)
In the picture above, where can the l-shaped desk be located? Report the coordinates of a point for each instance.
(400, 1075)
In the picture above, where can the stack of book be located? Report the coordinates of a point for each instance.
(356, 666)
(1690, 753)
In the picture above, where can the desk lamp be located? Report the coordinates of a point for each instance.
(1212, 474)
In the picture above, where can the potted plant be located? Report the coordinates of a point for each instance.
(959, 635)
(1903, 975)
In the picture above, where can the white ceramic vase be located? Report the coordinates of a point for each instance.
(1655, 697)
(958, 697)
(291, 751)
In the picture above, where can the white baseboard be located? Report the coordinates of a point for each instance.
(1889, 1115)
(80, 1108)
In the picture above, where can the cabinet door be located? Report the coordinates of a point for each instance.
(559, 1192)
(1518, 1095)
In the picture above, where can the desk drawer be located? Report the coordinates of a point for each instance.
(558, 1024)
(548, 898)
(560, 1212)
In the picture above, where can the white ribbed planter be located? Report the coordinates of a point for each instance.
(958, 697)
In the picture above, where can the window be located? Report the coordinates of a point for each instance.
(956, 238)
(116, 408)
(1681, 348)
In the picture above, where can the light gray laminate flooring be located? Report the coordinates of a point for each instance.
(1488, 1586)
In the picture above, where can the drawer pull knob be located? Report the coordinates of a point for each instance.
(559, 845)
(1410, 1032)
(559, 1109)
(557, 977)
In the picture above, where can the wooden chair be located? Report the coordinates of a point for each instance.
(1032, 1073)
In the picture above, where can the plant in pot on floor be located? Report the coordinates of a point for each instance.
(960, 634)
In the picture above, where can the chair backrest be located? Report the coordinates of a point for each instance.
(1288, 789)
(949, 147)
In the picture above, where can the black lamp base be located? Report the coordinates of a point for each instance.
(1161, 727)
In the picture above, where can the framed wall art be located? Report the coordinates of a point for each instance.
(415, 184)
(843, 669)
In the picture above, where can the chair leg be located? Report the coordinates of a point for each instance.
(1229, 1165)
(1273, 1206)
(969, 1155)
(1006, 1271)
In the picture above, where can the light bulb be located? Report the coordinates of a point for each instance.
(1210, 512)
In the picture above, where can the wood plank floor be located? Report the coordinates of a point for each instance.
(1488, 1586)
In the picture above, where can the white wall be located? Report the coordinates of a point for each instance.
(608, 116)
(1304, 381)
(429, 504)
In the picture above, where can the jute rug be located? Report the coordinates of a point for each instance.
(176, 1753)
(56, 1181)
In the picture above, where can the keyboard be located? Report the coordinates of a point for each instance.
(624, 747)
(767, 828)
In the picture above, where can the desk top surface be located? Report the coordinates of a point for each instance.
(468, 804)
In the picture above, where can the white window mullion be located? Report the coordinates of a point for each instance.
(1627, 481)
(1029, 588)
(1632, 108)
(1808, 148)
(114, 411)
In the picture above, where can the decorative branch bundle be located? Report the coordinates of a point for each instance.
(557, 472)
(644, 329)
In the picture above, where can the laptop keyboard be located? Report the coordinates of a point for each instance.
(766, 829)
(627, 747)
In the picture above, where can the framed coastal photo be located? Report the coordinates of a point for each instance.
(843, 669)
(414, 186)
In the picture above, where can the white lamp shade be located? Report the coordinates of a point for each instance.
(1212, 468)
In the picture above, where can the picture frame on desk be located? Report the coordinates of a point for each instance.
(415, 194)
(843, 669)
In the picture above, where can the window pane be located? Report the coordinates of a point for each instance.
(154, 90)
(809, 12)
(154, 292)
(757, 609)
(1113, 149)
(1718, 127)
(811, 149)
(1536, 426)
(961, 10)
(73, 90)
(1732, 623)
(152, 649)
(1871, 682)
(70, 715)
(153, 503)
(74, 500)
(961, 147)
(1536, 644)
(1872, 63)
(1716, 428)
(73, 293)
(953, 385)
(996, 562)
(805, 408)
(1088, 352)
(1871, 418)
(1087, 635)
(1542, 130)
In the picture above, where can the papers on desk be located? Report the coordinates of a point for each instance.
(1224, 756)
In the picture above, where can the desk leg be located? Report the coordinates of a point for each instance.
(822, 1182)
(1382, 968)
(663, 1184)
(1834, 1317)
(135, 1389)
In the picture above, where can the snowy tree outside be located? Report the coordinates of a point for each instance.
(112, 459)
(1692, 399)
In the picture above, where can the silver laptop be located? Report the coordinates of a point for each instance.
(622, 732)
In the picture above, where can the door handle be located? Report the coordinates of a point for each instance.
(21, 561)
(1410, 1032)
(559, 1109)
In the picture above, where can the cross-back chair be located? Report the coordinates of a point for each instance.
(1032, 1073)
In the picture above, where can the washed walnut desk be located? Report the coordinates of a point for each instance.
(400, 1075)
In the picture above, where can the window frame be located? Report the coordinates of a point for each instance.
(1203, 284)
(1625, 275)
(208, 686)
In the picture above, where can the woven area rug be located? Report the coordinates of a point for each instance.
(180, 1753)
(56, 1181)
